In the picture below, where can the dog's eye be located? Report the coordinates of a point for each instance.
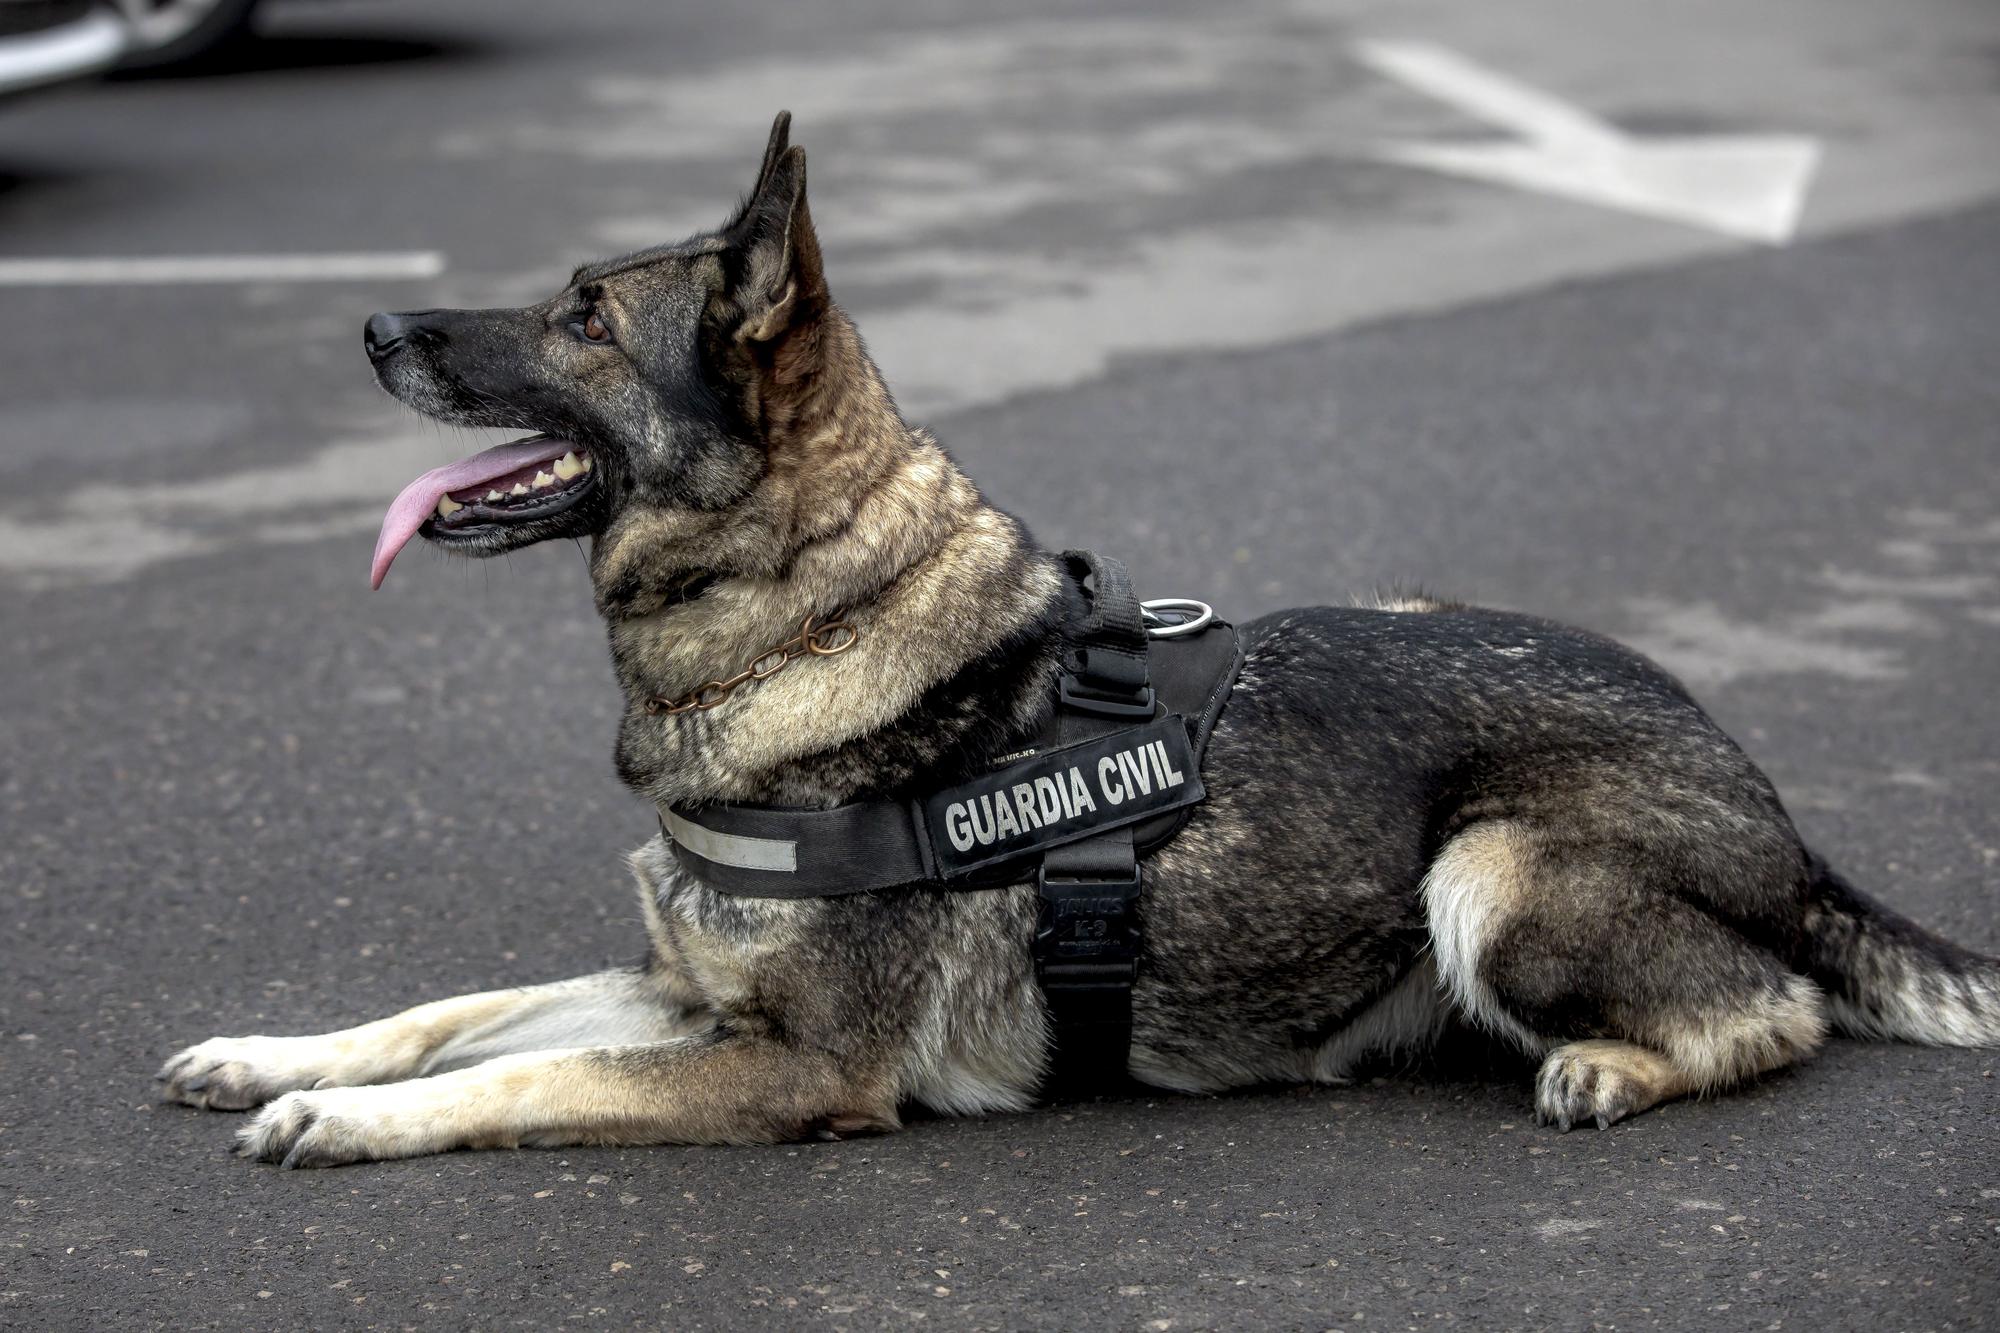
(592, 329)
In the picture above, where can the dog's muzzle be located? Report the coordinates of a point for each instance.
(386, 334)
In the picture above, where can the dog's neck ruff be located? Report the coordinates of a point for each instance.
(1111, 778)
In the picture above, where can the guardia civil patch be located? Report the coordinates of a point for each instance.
(1060, 795)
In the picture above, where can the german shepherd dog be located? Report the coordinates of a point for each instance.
(1421, 816)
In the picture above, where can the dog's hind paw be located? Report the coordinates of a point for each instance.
(1602, 1082)
(237, 1073)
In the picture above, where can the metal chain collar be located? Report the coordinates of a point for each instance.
(829, 639)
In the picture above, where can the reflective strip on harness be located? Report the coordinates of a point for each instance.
(731, 849)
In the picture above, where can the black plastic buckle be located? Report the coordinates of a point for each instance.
(1074, 694)
(1087, 932)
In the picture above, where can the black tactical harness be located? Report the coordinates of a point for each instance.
(1110, 779)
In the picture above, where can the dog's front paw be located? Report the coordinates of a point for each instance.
(335, 1126)
(237, 1073)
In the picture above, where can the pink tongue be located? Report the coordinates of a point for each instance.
(420, 498)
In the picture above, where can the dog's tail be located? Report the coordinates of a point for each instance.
(1887, 977)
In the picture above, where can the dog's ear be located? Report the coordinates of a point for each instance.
(779, 281)
(774, 148)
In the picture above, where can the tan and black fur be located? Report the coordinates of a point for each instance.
(1420, 815)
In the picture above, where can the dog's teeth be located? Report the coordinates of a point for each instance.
(448, 506)
(520, 488)
(495, 495)
(543, 479)
(567, 466)
(583, 463)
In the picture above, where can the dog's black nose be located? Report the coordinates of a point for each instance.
(383, 335)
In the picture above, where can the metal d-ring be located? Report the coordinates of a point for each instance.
(1159, 627)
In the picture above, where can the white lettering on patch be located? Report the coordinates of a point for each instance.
(1060, 803)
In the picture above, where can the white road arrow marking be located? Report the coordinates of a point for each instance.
(1752, 186)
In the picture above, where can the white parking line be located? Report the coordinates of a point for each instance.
(120, 271)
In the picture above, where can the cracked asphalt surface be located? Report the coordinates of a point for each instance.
(242, 794)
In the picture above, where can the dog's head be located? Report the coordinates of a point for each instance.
(649, 382)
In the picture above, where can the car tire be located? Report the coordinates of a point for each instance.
(168, 32)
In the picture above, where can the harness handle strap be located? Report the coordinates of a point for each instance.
(1107, 657)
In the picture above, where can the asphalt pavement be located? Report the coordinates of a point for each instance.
(1151, 275)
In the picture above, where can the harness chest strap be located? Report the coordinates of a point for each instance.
(981, 833)
(1111, 779)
